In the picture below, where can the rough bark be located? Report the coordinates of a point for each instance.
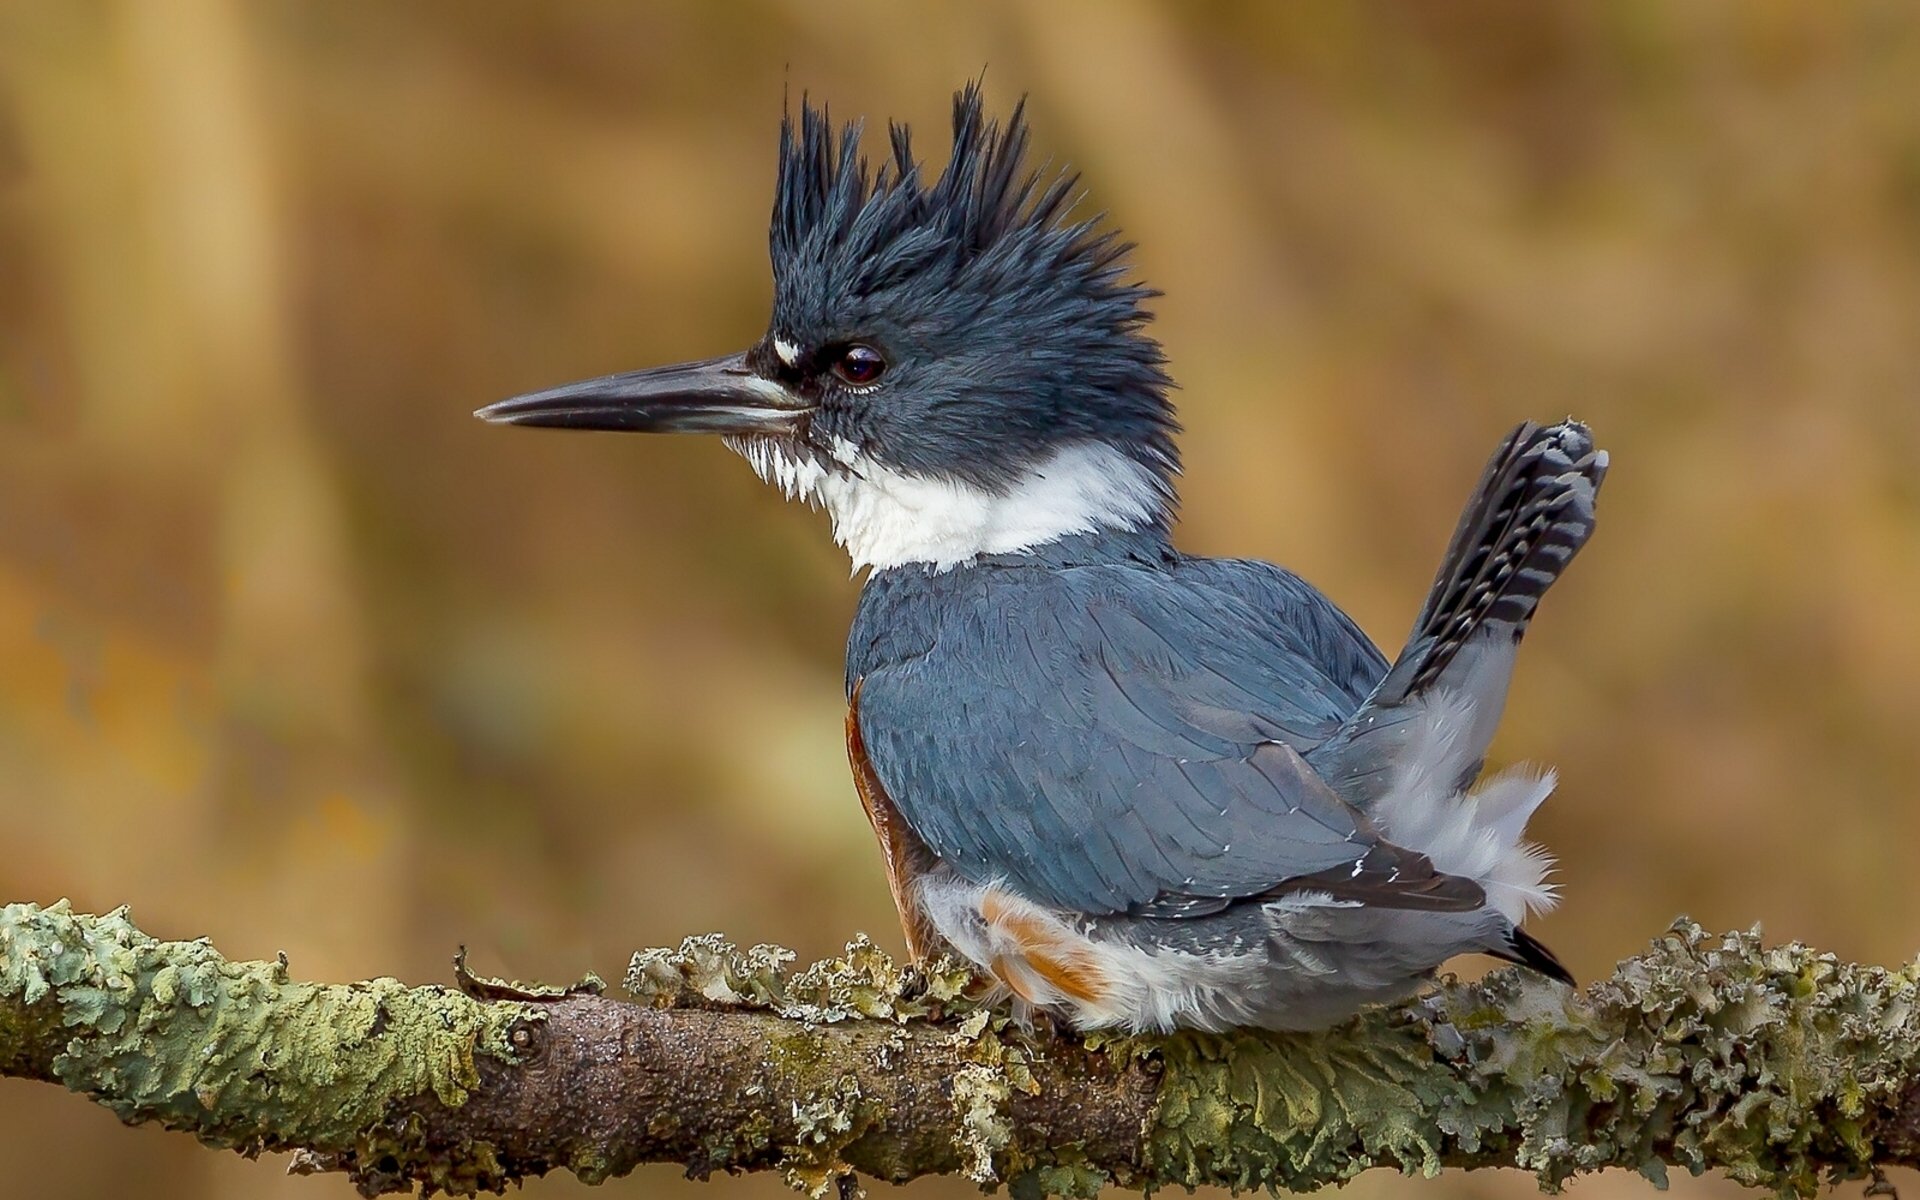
(1780, 1066)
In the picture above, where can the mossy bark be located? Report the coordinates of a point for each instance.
(1781, 1067)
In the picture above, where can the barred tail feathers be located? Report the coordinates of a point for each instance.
(1531, 513)
(1410, 754)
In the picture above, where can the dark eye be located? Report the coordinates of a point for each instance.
(860, 365)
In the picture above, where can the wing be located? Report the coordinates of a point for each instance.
(1321, 639)
(1111, 740)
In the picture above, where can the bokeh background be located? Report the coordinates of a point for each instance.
(296, 654)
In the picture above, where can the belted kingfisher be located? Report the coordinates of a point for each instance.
(1138, 788)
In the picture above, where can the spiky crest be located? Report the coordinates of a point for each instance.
(991, 246)
(829, 199)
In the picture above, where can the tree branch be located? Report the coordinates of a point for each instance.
(1781, 1067)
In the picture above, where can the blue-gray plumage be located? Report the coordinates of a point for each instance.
(1135, 787)
(1122, 727)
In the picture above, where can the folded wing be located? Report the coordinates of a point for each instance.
(1123, 741)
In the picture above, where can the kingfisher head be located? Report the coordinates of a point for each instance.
(955, 366)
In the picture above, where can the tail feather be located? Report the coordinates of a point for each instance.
(1523, 949)
(1409, 754)
(1530, 515)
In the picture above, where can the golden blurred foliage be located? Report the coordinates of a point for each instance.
(295, 654)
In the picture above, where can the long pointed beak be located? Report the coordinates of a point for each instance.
(720, 395)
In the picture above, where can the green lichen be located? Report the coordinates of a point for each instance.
(980, 1097)
(1298, 1112)
(1707, 1053)
(239, 1053)
(864, 983)
(1000, 1064)
(825, 1123)
(708, 971)
(1779, 1067)
(1067, 1178)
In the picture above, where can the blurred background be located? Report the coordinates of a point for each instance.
(297, 655)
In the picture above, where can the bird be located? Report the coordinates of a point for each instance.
(1135, 788)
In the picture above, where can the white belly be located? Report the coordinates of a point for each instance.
(1303, 962)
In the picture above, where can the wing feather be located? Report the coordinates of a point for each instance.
(1106, 740)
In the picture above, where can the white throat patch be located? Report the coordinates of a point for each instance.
(888, 518)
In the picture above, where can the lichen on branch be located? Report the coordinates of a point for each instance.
(1782, 1067)
(237, 1052)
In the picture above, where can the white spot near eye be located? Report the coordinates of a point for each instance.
(786, 350)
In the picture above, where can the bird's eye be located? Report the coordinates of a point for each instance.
(860, 365)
